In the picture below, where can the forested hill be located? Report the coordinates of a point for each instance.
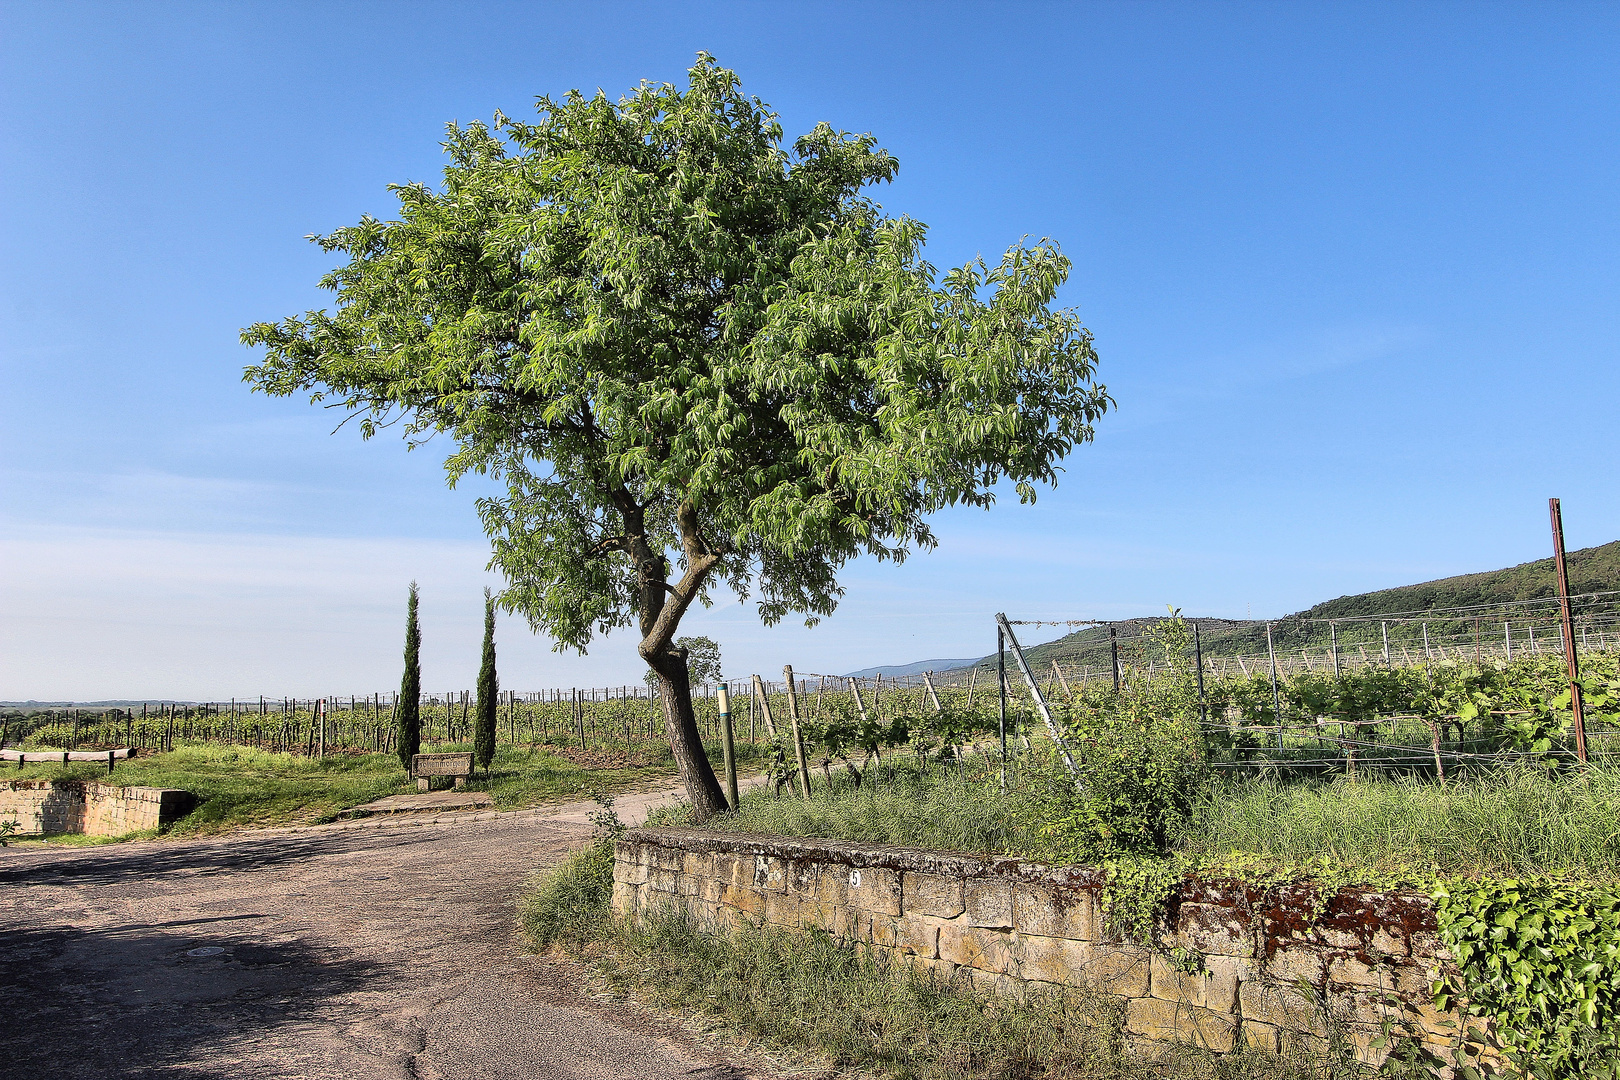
(1594, 569)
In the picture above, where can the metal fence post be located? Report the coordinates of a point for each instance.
(1001, 679)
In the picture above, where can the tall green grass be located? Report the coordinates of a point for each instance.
(943, 809)
(1510, 822)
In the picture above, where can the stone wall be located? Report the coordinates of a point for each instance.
(51, 807)
(1274, 968)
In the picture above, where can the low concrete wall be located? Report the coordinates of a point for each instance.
(1273, 970)
(52, 807)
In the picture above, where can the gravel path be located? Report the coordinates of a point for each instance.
(377, 948)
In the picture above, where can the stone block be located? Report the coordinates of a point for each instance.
(1387, 942)
(1354, 972)
(1121, 970)
(1260, 1036)
(988, 903)
(730, 869)
(629, 872)
(1214, 988)
(1335, 938)
(783, 909)
(1214, 930)
(1049, 912)
(832, 886)
(663, 858)
(1158, 1020)
(1282, 1006)
(625, 900)
(814, 913)
(745, 899)
(943, 970)
(872, 889)
(917, 935)
(931, 894)
(1225, 975)
(1057, 960)
(802, 876)
(975, 947)
(1302, 962)
(770, 873)
(1368, 1008)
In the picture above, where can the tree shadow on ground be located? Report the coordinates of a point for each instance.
(187, 999)
(118, 863)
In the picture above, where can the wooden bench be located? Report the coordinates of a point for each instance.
(424, 767)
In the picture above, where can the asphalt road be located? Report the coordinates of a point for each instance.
(372, 950)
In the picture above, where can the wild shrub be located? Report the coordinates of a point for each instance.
(570, 904)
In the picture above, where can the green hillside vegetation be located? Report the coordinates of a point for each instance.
(1594, 569)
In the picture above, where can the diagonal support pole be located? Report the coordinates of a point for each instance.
(1035, 690)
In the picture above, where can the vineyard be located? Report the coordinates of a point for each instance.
(1429, 710)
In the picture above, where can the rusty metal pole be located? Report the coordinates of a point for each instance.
(1198, 659)
(1113, 650)
(1571, 658)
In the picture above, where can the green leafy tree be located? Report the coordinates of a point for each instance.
(702, 661)
(695, 358)
(409, 736)
(488, 690)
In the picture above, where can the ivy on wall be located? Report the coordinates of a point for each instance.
(1541, 959)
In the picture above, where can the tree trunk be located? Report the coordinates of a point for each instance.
(661, 607)
(680, 725)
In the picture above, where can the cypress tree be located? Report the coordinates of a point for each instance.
(410, 688)
(488, 688)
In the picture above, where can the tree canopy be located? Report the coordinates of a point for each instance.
(694, 359)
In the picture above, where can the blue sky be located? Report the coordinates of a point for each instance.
(1351, 270)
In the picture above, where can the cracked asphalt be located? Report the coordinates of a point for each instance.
(382, 948)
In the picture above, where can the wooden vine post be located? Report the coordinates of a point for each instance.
(798, 737)
(728, 748)
(764, 707)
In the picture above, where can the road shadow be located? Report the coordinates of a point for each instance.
(183, 999)
(118, 863)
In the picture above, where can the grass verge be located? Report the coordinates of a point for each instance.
(241, 787)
